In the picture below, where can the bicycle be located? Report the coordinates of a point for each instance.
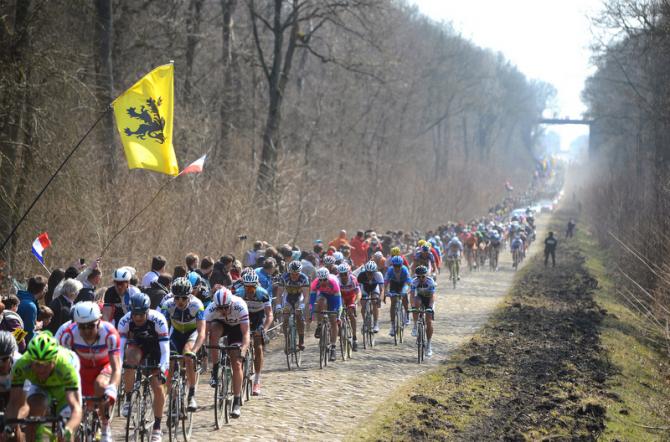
(139, 421)
(493, 257)
(291, 350)
(346, 337)
(223, 388)
(421, 338)
(324, 338)
(178, 413)
(248, 371)
(368, 323)
(516, 258)
(51, 427)
(398, 318)
(90, 428)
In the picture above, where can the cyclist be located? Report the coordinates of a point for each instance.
(378, 258)
(424, 257)
(146, 332)
(372, 286)
(494, 244)
(516, 246)
(454, 249)
(186, 315)
(423, 294)
(46, 373)
(351, 293)
(329, 263)
(396, 282)
(328, 297)
(228, 316)
(97, 343)
(260, 320)
(9, 354)
(295, 286)
(395, 251)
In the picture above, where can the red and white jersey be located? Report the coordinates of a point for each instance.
(95, 355)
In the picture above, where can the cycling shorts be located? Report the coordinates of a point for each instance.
(150, 351)
(334, 301)
(178, 340)
(397, 288)
(349, 298)
(232, 332)
(256, 320)
(426, 302)
(62, 407)
(88, 377)
(293, 302)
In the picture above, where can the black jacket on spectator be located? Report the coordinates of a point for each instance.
(61, 307)
(156, 294)
(86, 294)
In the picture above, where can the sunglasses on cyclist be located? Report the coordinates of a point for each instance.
(88, 325)
(421, 276)
(222, 307)
(180, 298)
(4, 359)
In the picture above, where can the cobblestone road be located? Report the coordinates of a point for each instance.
(350, 391)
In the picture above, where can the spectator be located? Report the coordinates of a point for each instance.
(57, 275)
(550, 249)
(265, 275)
(308, 261)
(159, 289)
(221, 273)
(158, 263)
(359, 249)
(179, 272)
(28, 300)
(251, 256)
(44, 317)
(90, 279)
(11, 321)
(62, 305)
(192, 261)
(206, 268)
(571, 229)
(340, 240)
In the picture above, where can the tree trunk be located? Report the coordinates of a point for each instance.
(105, 88)
(192, 40)
(228, 90)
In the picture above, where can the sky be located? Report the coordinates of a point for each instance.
(546, 39)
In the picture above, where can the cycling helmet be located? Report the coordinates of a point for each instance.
(425, 248)
(84, 312)
(322, 273)
(246, 270)
(370, 266)
(421, 270)
(338, 256)
(122, 274)
(7, 344)
(421, 242)
(194, 278)
(139, 303)
(395, 251)
(223, 297)
(295, 267)
(250, 278)
(343, 268)
(328, 260)
(43, 347)
(181, 287)
(397, 260)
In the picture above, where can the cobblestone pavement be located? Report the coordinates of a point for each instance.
(349, 391)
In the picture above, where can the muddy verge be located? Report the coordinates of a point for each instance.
(536, 372)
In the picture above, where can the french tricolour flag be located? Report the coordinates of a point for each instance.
(194, 167)
(41, 243)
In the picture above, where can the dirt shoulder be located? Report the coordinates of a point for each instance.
(537, 371)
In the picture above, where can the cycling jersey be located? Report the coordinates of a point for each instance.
(331, 288)
(397, 281)
(183, 321)
(151, 337)
(236, 314)
(63, 378)
(454, 248)
(425, 288)
(425, 258)
(517, 243)
(257, 302)
(370, 282)
(349, 290)
(265, 280)
(292, 287)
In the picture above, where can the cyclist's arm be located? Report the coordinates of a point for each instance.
(244, 328)
(164, 345)
(115, 378)
(268, 317)
(17, 399)
(74, 401)
(201, 327)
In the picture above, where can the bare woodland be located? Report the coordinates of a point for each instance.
(317, 115)
(629, 101)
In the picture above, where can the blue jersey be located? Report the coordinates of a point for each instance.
(257, 300)
(265, 281)
(425, 287)
(183, 321)
(399, 277)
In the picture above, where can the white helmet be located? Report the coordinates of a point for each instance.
(122, 274)
(370, 266)
(86, 311)
(322, 273)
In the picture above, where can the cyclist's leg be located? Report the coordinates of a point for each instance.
(334, 304)
(215, 330)
(132, 356)
(429, 303)
(189, 363)
(100, 384)
(38, 401)
(351, 311)
(256, 321)
(234, 335)
(375, 308)
(153, 358)
(394, 299)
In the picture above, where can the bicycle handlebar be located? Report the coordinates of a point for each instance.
(141, 367)
(223, 347)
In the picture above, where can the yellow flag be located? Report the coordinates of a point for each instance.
(144, 119)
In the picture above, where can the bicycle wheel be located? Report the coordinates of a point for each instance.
(419, 341)
(343, 339)
(349, 342)
(173, 407)
(220, 395)
(146, 413)
(287, 346)
(399, 321)
(132, 422)
(187, 425)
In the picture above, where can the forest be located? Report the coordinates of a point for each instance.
(316, 115)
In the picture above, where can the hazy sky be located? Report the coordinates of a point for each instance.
(546, 39)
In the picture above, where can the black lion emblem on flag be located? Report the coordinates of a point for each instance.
(153, 124)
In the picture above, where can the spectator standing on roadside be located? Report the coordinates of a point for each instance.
(251, 256)
(340, 240)
(29, 299)
(550, 249)
(11, 321)
(158, 263)
(571, 229)
(61, 305)
(359, 249)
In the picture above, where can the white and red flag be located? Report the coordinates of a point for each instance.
(41, 243)
(195, 167)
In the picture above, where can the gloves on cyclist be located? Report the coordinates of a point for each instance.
(111, 392)
(163, 377)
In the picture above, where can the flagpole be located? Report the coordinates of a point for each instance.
(52, 178)
(45, 267)
(138, 214)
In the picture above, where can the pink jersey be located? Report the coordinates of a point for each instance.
(97, 354)
(332, 287)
